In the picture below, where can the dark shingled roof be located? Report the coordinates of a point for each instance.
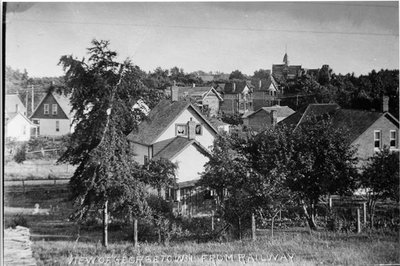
(282, 111)
(240, 85)
(357, 121)
(174, 147)
(162, 115)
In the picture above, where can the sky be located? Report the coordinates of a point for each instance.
(210, 36)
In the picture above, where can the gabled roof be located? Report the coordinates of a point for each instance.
(198, 92)
(13, 99)
(10, 116)
(159, 119)
(357, 121)
(237, 87)
(265, 83)
(282, 111)
(62, 100)
(176, 146)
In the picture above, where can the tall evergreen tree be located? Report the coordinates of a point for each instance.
(103, 92)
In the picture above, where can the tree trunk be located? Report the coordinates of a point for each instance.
(310, 217)
(105, 224)
(135, 232)
(240, 228)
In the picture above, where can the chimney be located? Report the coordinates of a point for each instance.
(191, 125)
(385, 104)
(174, 93)
(274, 117)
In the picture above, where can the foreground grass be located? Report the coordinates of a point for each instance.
(317, 249)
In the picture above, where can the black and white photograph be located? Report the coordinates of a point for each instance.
(200, 133)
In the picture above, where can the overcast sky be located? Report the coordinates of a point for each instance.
(349, 36)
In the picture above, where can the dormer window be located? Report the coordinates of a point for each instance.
(181, 129)
(54, 109)
(46, 108)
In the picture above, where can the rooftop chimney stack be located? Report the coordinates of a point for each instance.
(274, 117)
(191, 125)
(385, 104)
(174, 93)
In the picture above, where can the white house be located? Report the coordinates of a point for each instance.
(176, 130)
(17, 127)
(53, 115)
(13, 104)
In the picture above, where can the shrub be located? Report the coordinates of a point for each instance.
(18, 220)
(20, 155)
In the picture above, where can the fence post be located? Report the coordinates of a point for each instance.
(253, 227)
(212, 221)
(358, 221)
(365, 213)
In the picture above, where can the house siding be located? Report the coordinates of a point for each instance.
(207, 137)
(47, 127)
(213, 103)
(190, 164)
(365, 142)
(139, 151)
(15, 129)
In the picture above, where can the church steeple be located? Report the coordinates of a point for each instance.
(285, 57)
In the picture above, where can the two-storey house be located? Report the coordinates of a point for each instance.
(238, 98)
(206, 98)
(176, 130)
(53, 115)
(369, 131)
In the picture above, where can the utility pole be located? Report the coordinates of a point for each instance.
(33, 99)
(26, 100)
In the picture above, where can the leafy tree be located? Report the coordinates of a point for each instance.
(20, 154)
(237, 75)
(380, 179)
(160, 174)
(261, 74)
(322, 163)
(102, 94)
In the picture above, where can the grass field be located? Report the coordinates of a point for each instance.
(37, 169)
(58, 241)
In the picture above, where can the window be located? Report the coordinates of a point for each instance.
(198, 129)
(46, 108)
(393, 139)
(145, 159)
(181, 129)
(54, 109)
(57, 126)
(377, 139)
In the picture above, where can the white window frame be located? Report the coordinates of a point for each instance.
(57, 126)
(46, 109)
(378, 139)
(393, 139)
(54, 109)
(199, 133)
(176, 129)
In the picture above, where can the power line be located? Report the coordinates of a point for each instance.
(207, 28)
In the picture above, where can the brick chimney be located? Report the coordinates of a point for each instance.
(191, 127)
(174, 93)
(274, 117)
(385, 104)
